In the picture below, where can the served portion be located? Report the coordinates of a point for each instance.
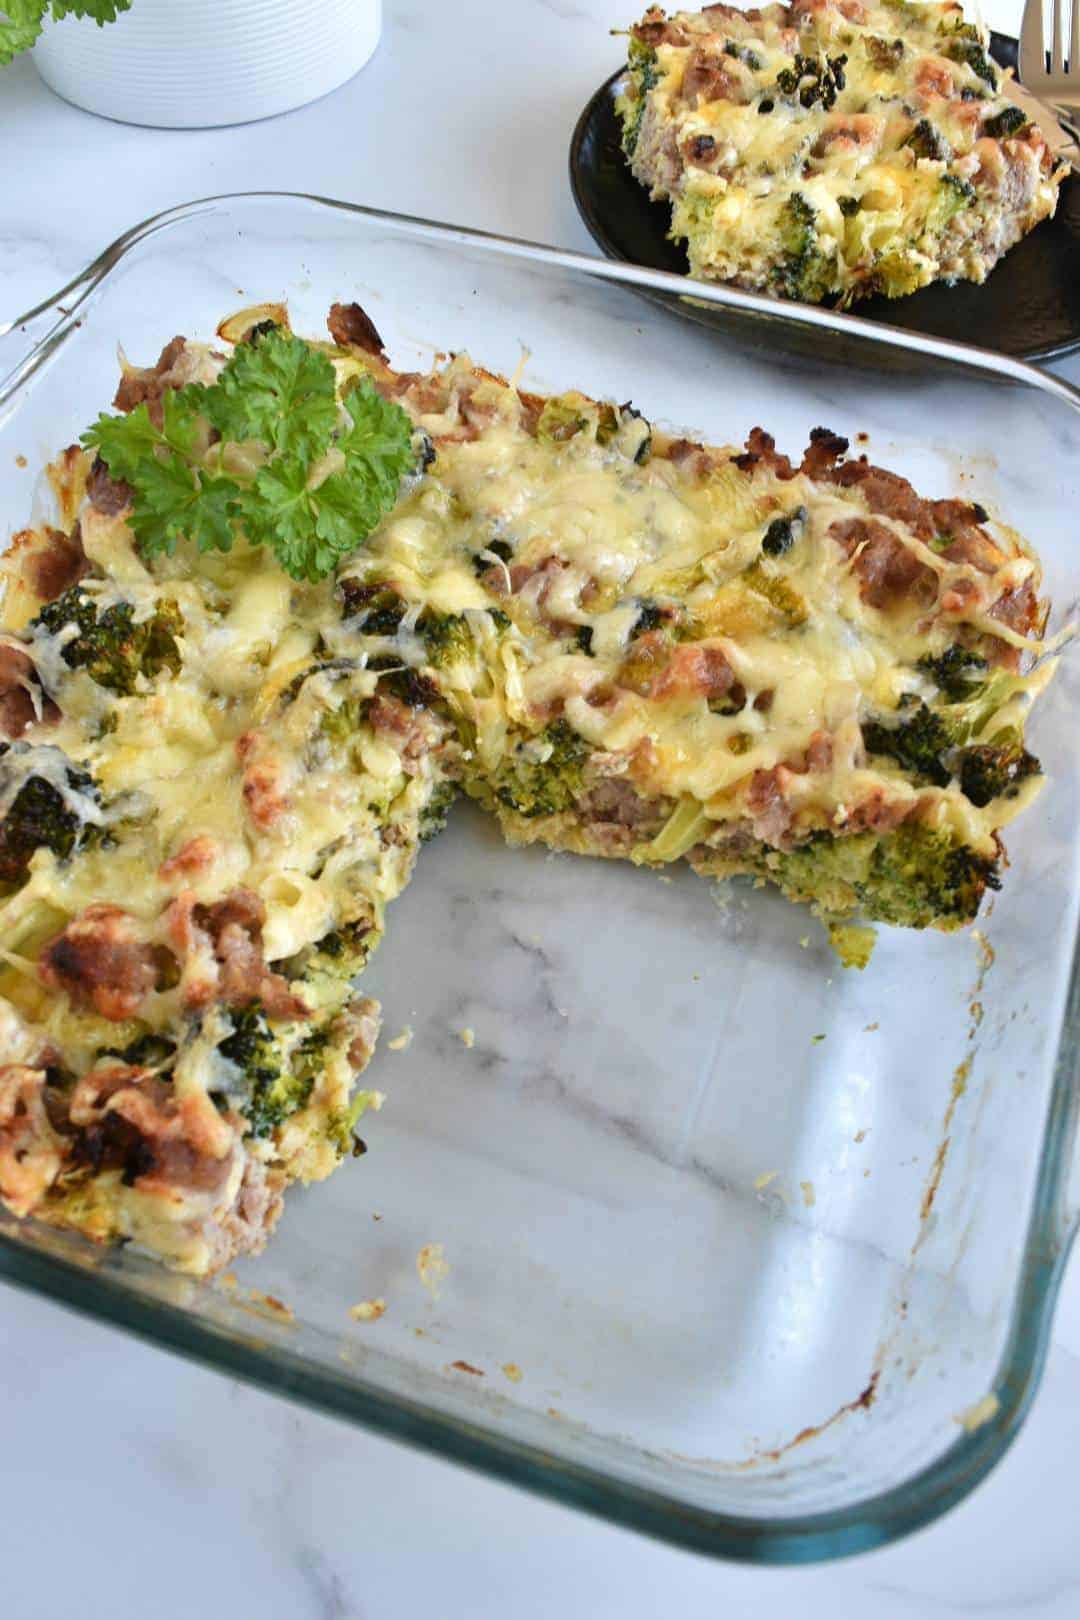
(294, 600)
(832, 149)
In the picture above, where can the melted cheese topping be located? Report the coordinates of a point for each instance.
(701, 631)
(594, 538)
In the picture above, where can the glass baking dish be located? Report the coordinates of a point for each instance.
(765, 1294)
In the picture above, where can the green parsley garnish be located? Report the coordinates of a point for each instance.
(24, 19)
(317, 486)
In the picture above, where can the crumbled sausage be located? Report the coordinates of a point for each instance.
(31, 1152)
(225, 940)
(353, 328)
(100, 961)
(106, 494)
(22, 702)
(887, 569)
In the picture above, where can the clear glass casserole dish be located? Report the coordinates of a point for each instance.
(767, 1295)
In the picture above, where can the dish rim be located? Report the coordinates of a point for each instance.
(870, 1522)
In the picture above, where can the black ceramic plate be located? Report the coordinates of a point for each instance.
(1029, 307)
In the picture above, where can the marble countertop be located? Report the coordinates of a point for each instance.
(166, 1489)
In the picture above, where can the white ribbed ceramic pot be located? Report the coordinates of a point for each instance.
(191, 64)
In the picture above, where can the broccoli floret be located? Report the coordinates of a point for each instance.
(342, 953)
(778, 593)
(274, 1088)
(329, 965)
(651, 617)
(378, 607)
(953, 194)
(561, 419)
(898, 274)
(969, 50)
(969, 717)
(39, 817)
(743, 53)
(802, 272)
(813, 79)
(957, 672)
(927, 142)
(915, 877)
(110, 646)
(341, 725)
(544, 775)
(447, 638)
(626, 430)
(964, 192)
(800, 212)
(144, 1052)
(412, 689)
(886, 54)
(995, 770)
(1005, 123)
(782, 533)
(433, 815)
(922, 875)
(607, 424)
(933, 743)
(336, 667)
(264, 1077)
(642, 63)
(308, 1062)
(956, 28)
(917, 742)
(416, 691)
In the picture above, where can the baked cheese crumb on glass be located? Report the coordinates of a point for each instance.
(220, 756)
(832, 149)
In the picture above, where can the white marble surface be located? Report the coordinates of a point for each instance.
(131, 1483)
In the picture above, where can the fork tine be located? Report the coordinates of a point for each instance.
(1057, 34)
(1032, 49)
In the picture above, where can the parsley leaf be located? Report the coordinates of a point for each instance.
(101, 11)
(174, 496)
(373, 445)
(125, 443)
(21, 22)
(174, 502)
(279, 391)
(279, 508)
(321, 489)
(20, 27)
(313, 527)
